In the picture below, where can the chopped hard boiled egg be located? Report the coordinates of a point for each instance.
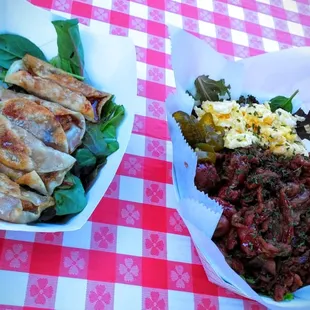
(234, 139)
(255, 124)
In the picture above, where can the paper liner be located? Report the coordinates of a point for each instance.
(117, 77)
(265, 77)
(184, 165)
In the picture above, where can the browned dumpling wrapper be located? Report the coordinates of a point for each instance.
(20, 150)
(45, 70)
(37, 120)
(18, 205)
(58, 86)
(43, 183)
(73, 123)
(28, 161)
(30, 179)
(52, 91)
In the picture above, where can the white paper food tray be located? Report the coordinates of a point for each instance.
(110, 65)
(265, 77)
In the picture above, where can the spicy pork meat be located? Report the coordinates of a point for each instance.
(264, 231)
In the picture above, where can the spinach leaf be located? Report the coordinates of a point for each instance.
(90, 177)
(2, 74)
(94, 140)
(109, 134)
(14, 47)
(100, 141)
(288, 296)
(112, 114)
(208, 89)
(64, 64)
(85, 158)
(114, 118)
(108, 109)
(282, 102)
(70, 200)
(86, 162)
(70, 56)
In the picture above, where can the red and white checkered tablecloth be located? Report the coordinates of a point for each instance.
(135, 252)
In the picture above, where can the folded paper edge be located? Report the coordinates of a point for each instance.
(187, 187)
(184, 167)
(190, 208)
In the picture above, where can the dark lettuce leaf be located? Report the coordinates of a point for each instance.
(85, 158)
(247, 100)
(46, 215)
(303, 128)
(85, 163)
(89, 179)
(70, 199)
(208, 89)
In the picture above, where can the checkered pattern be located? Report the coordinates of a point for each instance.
(135, 252)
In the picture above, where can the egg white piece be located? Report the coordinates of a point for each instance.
(255, 124)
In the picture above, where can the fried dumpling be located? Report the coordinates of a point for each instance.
(36, 119)
(18, 205)
(20, 150)
(43, 183)
(28, 161)
(73, 123)
(50, 90)
(63, 88)
(30, 179)
(45, 70)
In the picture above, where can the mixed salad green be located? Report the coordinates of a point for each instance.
(207, 89)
